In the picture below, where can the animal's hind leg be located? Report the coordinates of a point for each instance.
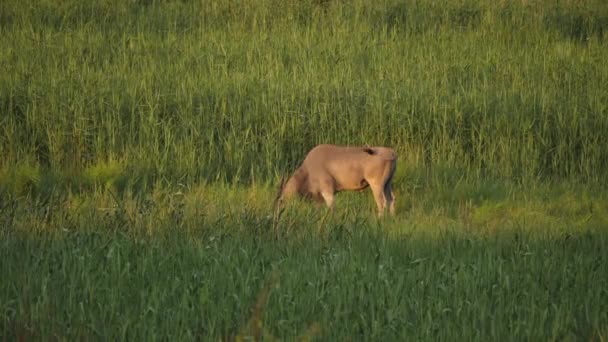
(389, 172)
(390, 198)
(380, 198)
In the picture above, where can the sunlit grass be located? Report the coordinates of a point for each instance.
(192, 263)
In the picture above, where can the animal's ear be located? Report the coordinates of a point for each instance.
(369, 151)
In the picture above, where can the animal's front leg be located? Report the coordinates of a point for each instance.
(317, 199)
(327, 190)
(328, 197)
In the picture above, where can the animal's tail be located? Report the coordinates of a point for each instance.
(390, 155)
(393, 156)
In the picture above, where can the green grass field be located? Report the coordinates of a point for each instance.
(141, 143)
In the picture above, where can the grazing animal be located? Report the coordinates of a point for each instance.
(328, 169)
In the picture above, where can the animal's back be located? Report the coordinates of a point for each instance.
(331, 158)
(327, 152)
(347, 166)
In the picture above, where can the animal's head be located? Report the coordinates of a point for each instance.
(284, 192)
(278, 199)
(287, 189)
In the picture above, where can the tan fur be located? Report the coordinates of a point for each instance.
(328, 169)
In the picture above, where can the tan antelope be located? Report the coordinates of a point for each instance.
(328, 169)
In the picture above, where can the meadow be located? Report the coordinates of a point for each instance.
(141, 144)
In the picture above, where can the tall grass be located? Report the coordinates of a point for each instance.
(129, 128)
(208, 264)
(239, 90)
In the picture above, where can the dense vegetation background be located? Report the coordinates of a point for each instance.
(141, 142)
(240, 90)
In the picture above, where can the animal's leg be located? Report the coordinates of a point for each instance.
(329, 199)
(389, 172)
(390, 198)
(327, 192)
(317, 199)
(379, 197)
